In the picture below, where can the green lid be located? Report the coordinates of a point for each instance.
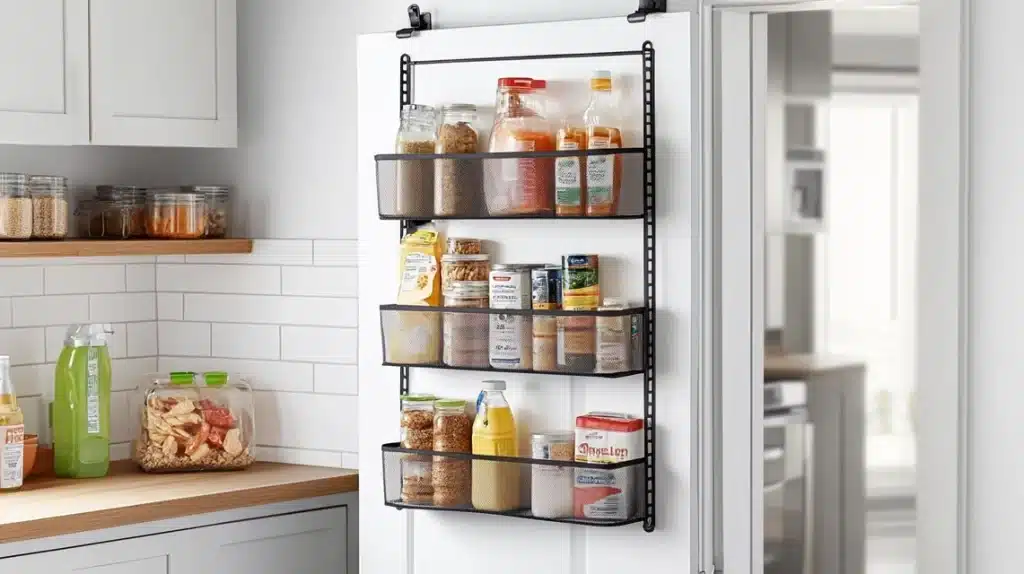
(419, 398)
(183, 378)
(216, 378)
(451, 403)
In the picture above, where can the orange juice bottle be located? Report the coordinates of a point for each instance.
(495, 484)
(604, 172)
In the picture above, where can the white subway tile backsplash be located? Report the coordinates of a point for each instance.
(50, 310)
(170, 306)
(336, 252)
(116, 341)
(142, 339)
(54, 261)
(238, 341)
(121, 417)
(187, 339)
(299, 456)
(263, 375)
(84, 279)
(21, 281)
(24, 346)
(319, 345)
(320, 281)
(5, 313)
(243, 279)
(319, 311)
(350, 460)
(170, 258)
(33, 379)
(129, 374)
(32, 408)
(141, 277)
(266, 252)
(300, 420)
(122, 307)
(120, 451)
(336, 379)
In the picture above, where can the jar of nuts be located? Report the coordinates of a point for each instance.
(453, 432)
(217, 204)
(49, 206)
(15, 207)
(463, 268)
(418, 434)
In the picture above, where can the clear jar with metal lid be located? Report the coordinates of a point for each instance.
(124, 211)
(218, 202)
(49, 206)
(15, 207)
(176, 215)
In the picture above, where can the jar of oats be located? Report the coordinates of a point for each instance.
(49, 206)
(417, 434)
(453, 432)
(15, 207)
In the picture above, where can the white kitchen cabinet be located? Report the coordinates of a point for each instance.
(164, 72)
(44, 96)
(809, 50)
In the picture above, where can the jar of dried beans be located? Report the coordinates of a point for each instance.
(453, 432)
(457, 181)
(15, 207)
(176, 215)
(49, 206)
(417, 135)
(418, 434)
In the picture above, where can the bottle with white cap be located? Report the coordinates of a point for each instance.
(81, 407)
(495, 484)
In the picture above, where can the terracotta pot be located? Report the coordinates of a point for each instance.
(44, 461)
(31, 449)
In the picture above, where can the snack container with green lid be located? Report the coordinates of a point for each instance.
(195, 421)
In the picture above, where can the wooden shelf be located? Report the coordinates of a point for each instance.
(105, 248)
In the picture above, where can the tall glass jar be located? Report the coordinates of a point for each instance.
(49, 206)
(453, 432)
(176, 215)
(418, 434)
(15, 207)
(218, 201)
(521, 186)
(417, 134)
(457, 182)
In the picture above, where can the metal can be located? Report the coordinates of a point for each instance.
(547, 287)
(510, 335)
(581, 286)
(510, 287)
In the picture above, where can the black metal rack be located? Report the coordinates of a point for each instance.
(647, 214)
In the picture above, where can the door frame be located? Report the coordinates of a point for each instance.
(731, 214)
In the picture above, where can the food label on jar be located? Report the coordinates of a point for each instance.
(92, 393)
(508, 290)
(509, 348)
(12, 455)
(510, 168)
(568, 180)
(600, 173)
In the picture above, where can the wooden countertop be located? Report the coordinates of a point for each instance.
(785, 366)
(52, 507)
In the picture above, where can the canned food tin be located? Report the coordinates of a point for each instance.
(547, 287)
(581, 287)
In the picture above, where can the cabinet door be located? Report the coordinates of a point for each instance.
(44, 95)
(304, 543)
(164, 72)
(149, 554)
(810, 55)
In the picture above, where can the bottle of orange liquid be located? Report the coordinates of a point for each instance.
(602, 122)
(495, 484)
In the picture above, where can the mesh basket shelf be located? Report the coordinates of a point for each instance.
(509, 185)
(551, 490)
(516, 341)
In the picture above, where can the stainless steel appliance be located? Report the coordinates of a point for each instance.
(788, 442)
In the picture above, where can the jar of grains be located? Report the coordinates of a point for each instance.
(463, 268)
(466, 334)
(417, 134)
(15, 207)
(418, 434)
(457, 182)
(176, 215)
(453, 432)
(217, 204)
(49, 206)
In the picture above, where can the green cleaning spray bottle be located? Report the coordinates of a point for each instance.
(81, 407)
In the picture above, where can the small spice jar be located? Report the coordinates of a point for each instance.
(453, 432)
(457, 182)
(217, 204)
(463, 268)
(417, 134)
(176, 215)
(15, 207)
(466, 334)
(49, 206)
(418, 434)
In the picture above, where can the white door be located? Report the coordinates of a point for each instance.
(44, 92)
(164, 73)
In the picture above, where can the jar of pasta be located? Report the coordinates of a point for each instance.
(457, 267)
(176, 215)
(453, 432)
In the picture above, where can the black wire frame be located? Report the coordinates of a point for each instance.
(647, 55)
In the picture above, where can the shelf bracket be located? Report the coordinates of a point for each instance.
(418, 22)
(647, 7)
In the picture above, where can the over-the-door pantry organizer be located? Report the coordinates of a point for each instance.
(637, 203)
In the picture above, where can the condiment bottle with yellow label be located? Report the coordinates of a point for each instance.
(604, 172)
(12, 432)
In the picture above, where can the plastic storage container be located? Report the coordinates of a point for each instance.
(49, 206)
(418, 434)
(15, 207)
(453, 432)
(122, 210)
(466, 334)
(218, 203)
(417, 134)
(176, 215)
(521, 186)
(457, 267)
(457, 181)
(194, 421)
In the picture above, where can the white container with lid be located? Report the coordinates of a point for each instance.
(551, 492)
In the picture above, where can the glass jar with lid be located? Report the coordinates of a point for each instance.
(15, 207)
(417, 433)
(521, 186)
(417, 134)
(49, 206)
(124, 211)
(453, 432)
(457, 182)
(217, 206)
(466, 335)
(176, 215)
